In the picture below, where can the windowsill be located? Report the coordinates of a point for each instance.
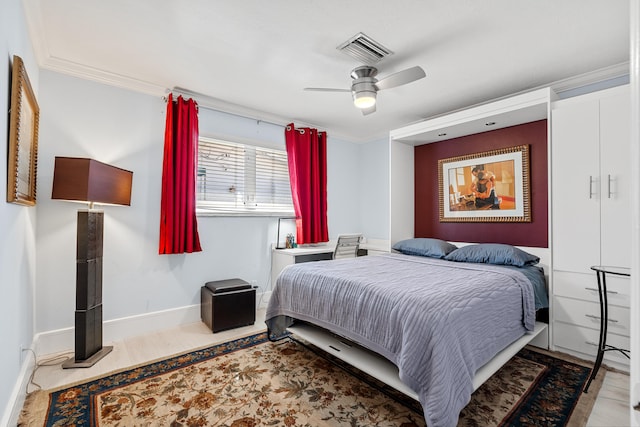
(244, 214)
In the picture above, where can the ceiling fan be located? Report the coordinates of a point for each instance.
(365, 86)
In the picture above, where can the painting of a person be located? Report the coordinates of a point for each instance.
(484, 191)
(474, 176)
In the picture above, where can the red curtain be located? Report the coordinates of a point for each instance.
(307, 157)
(178, 225)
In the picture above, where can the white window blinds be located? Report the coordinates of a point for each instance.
(237, 178)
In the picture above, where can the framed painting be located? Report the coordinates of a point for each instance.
(491, 186)
(23, 138)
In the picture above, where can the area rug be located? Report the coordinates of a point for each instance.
(254, 382)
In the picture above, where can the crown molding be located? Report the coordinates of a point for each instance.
(596, 76)
(97, 75)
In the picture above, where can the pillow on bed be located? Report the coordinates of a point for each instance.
(493, 253)
(434, 248)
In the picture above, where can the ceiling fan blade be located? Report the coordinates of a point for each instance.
(325, 89)
(401, 78)
(366, 111)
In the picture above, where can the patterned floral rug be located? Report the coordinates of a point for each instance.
(253, 382)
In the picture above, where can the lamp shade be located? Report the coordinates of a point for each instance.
(88, 180)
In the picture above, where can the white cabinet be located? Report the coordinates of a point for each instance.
(591, 220)
(615, 166)
(575, 167)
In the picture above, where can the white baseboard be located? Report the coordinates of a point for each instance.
(19, 392)
(62, 340)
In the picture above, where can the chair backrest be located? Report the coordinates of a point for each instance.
(347, 246)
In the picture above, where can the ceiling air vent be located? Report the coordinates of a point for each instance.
(364, 48)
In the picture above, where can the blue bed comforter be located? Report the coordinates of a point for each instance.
(438, 321)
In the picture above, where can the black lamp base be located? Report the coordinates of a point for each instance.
(87, 363)
(88, 315)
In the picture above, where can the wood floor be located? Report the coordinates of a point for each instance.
(611, 407)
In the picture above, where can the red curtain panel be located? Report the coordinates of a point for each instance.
(307, 157)
(178, 225)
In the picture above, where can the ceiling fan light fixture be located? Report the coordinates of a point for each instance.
(364, 99)
(365, 85)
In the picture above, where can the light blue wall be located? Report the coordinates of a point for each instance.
(343, 171)
(124, 128)
(17, 223)
(373, 199)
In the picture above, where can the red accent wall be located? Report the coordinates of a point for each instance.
(427, 222)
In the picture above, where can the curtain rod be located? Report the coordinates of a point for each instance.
(220, 110)
(215, 104)
(197, 97)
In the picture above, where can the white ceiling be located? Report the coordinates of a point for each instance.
(254, 57)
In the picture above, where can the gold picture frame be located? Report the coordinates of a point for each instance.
(491, 186)
(23, 138)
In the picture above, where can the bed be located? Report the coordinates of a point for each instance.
(438, 313)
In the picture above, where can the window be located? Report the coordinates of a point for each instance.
(237, 178)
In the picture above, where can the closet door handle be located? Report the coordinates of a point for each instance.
(596, 290)
(608, 186)
(593, 316)
(590, 186)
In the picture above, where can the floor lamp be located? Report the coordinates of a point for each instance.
(89, 181)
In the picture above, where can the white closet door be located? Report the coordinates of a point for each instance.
(616, 186)
(576, 189)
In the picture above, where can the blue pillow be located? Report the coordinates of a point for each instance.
(434, 248)
(493, 253)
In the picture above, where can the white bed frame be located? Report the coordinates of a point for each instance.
(385, 371)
